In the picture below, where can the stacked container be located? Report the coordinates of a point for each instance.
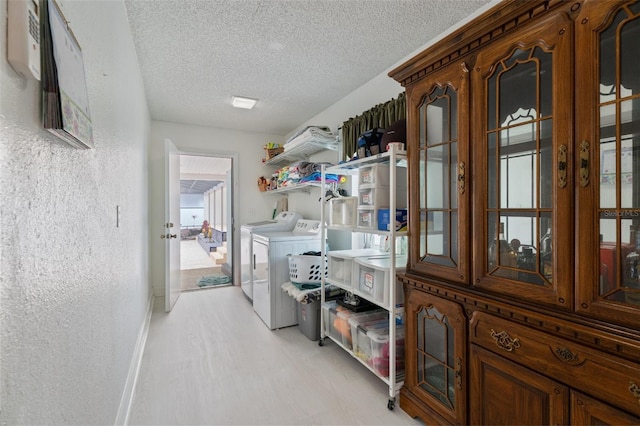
(374, 277)
(374, 193)
(342, 211)
(379, 340)
(336, 321)
(342, 267)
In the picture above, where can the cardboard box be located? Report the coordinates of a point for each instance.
(384, 219)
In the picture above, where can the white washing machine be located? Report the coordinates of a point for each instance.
(284, 221)
(271, 269)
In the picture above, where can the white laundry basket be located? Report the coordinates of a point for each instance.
(306, 269)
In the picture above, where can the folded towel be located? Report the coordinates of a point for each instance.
(311, 129)
(213, 280)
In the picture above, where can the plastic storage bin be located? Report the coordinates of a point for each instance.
(330, 315)
(336, 322)
(357, 321)
(378, 196)
(374, 196)
(362, 343)
(344, 326)
(367, 218)
(373, 275)
(342, 211)
(379, 360)
(341, 265)
(377, 174)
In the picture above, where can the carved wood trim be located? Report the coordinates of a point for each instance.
(606, 338)
(494, 23)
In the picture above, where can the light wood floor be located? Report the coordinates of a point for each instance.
(212, 361)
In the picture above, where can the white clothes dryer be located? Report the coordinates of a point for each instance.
(284, 221)
(271, 269)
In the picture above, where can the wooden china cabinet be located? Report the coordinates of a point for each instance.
(522, 288)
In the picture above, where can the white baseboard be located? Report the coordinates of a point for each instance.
(122, 417)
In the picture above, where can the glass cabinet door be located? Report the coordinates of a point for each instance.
(522, 106)
(435, 347)
(608, 117)
(439, 171)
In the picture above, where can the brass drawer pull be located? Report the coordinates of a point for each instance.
(562, 166)
(584, 163)
(566, 355)
(635, 390)
(461, 177)
(504, 341)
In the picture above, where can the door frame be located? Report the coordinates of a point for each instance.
(231, 223)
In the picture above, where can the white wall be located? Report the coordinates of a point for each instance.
(251, 204)
(74, 288)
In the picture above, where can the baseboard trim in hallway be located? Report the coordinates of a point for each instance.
(122, 418)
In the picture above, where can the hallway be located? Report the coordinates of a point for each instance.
(212, 361)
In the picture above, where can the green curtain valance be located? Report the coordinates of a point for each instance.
(382, 115)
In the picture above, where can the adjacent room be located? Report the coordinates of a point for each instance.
(205, 209)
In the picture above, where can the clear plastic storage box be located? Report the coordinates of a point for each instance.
(341, 264)
(377, 317)
(361, 342)
(367, 219)
(342, 211)
(379, 360)
(372, 347)
(330, 315)
(373, 275)
(336, 322)
(377, 197)
(378, 174)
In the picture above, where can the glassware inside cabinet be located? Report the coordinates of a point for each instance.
(619, 158)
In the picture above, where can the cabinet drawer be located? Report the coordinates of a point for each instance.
(606, 377)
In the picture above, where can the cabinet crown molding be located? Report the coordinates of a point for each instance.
(494, 23)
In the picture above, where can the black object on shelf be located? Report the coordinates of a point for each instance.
(356, 304)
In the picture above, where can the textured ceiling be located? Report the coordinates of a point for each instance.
(297, 57)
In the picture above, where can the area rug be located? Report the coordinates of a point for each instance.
(213, 280)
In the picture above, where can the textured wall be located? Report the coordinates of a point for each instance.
(74, 288)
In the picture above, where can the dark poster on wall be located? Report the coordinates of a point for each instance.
(65, 101)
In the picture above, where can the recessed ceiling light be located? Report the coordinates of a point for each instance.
(240, 102)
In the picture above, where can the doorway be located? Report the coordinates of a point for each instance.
(206, 225)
